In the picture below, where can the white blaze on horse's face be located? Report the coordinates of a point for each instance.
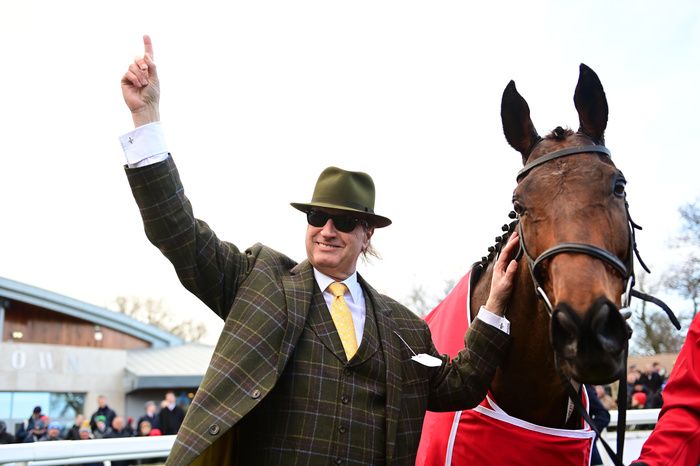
(577, 200)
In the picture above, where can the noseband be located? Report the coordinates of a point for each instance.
(626, 270)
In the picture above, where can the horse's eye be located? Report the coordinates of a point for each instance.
(518, 208)
(620, 188)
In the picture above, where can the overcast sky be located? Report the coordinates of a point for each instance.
(258, 97)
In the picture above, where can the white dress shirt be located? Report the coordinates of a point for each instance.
(145, 145)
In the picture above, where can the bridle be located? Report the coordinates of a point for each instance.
(625, 269)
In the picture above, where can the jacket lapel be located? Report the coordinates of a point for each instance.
(392, 358)
(298, 291)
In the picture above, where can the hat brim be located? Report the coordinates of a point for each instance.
(375, 220)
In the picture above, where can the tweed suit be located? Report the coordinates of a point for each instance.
(264, 298)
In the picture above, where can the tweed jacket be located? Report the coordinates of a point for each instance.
(264, 297)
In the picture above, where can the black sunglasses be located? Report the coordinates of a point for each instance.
(344, 223)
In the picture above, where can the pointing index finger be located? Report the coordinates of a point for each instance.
(148, 46)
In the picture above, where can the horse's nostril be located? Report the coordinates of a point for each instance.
(565, 331)
(608, 327)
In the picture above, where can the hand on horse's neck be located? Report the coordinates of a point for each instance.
(527, 385)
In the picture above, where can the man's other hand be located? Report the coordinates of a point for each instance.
(503, 276)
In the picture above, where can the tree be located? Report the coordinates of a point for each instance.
(653, 332)
(684, 278)
(421, 303)
(151, 311)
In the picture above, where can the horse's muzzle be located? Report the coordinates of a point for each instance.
(590, 348)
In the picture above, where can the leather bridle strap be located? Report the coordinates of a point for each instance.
(587, 249)
(562, 153)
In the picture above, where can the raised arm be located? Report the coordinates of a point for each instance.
(209, 268)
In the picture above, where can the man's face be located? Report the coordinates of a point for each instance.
(334, 252)
(170, 398)
(101, 401)
(54, 433)
(150, 409)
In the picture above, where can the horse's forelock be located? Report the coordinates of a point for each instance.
(559, 133)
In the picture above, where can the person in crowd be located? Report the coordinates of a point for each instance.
(171, 415)
(29, 425)
(118, 429)
(53, 432)
(144, 428)
(85, 432)
(605, 398)
(73, 433)
(102, 410)
(101, 429)
(313, 366)
(150, 415)
(675, 440)
(38, 430)
(5, 437)
(639, 400)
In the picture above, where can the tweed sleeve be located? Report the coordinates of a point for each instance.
(209, 268)
(461, 383)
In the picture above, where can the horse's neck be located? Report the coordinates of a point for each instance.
(527, 385)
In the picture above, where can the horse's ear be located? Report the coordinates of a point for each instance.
(517, 125)
(591, 105)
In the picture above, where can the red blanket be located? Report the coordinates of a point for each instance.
(486, 434)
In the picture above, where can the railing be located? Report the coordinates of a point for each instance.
(85, 451)
(105, 450)
(634, 439)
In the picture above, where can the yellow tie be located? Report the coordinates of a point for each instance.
(343, 319)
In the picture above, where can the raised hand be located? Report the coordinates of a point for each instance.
(140, 87)
(503, 276)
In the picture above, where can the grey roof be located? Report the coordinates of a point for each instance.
(179, 366)
(99, 315)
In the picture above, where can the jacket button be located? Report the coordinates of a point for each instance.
(214, 429)
(338, 461)
(345, 399)
(341, 429)
(255, 395)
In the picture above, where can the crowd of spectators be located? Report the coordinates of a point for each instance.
(104, 423)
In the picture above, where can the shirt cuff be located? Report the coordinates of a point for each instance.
(144, 146)
(494, 320)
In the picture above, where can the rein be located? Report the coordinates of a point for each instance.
(626, 271)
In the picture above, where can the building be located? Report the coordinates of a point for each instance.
(60, 353)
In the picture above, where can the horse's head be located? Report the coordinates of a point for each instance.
(574, 230)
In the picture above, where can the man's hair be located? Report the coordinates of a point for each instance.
(370, 251)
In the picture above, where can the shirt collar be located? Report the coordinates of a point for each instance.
(351, 282)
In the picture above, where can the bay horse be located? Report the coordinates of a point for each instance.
(575, 271)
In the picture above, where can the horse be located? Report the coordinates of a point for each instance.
(575, 268)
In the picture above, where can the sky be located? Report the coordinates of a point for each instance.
(258, 97)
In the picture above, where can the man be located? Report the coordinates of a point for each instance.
(38, 431)
(313, 366)
(5, 437)
(102, 410)
(53, 433)
(74, 432)
(170, 416)
(151, 416)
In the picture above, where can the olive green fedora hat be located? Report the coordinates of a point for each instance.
(345, 190)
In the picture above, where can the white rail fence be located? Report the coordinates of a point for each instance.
(85, 451)
(105, 450)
